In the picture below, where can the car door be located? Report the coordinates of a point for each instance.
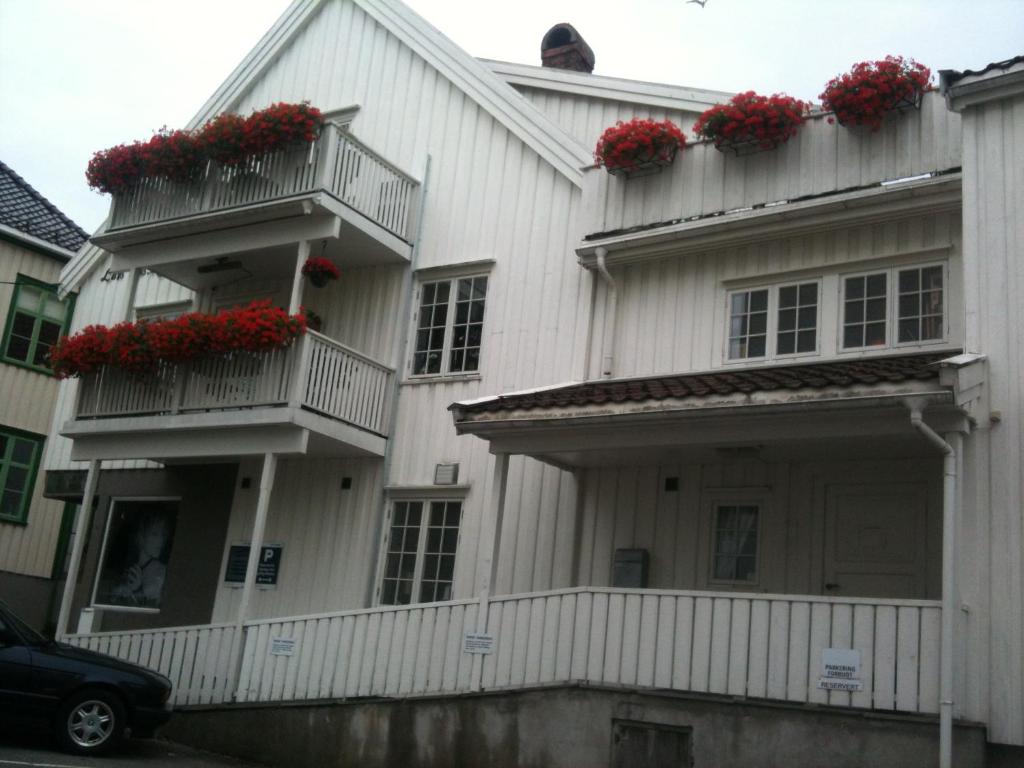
(15, 669)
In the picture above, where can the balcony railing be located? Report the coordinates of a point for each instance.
(336, 163)
(317, 374)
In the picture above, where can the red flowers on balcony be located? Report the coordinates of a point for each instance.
(873, 89)
(181, 155)
(319, 270)
(638, 146)
(140, 347)
(750, 122)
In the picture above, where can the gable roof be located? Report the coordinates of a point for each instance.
(499, 99)
(24, 210)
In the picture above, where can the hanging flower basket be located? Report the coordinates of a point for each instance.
(320, 271)
(873, 90)
(639, 147)
(751, 123)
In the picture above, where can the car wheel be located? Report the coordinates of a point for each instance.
(91, 722)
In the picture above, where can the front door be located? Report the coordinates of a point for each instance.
(875, 540)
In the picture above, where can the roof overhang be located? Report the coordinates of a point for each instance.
(995, 82)
(884, 202)
(36, 243)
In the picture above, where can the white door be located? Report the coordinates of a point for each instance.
(875, 540)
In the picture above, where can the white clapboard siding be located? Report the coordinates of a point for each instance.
(197, 659)
(820, 159)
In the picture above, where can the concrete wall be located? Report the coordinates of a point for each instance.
(567, 727)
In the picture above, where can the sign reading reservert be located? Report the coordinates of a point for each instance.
(477, 642)
(840, 670)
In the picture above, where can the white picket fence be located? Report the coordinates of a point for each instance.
(336, 162)
(336, 381)
(742, 645)
(197, 660)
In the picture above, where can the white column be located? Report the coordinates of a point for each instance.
(84, 520)
(252, 565)
(128, 309)
(487, 558)
(297, 279)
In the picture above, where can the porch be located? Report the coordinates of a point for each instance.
(746, 645)
(317, 396)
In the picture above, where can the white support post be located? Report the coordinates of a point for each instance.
(297, 280)
(128, 311)
(252, 565)
(84, 521)
(490, 546)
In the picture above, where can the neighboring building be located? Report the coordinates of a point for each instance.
(728, 390)
(36, 242)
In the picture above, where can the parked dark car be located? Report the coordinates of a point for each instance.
(89, 700)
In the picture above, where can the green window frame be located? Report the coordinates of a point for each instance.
(20, 454)
(35, 320)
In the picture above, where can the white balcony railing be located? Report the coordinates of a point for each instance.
(317, 373)
(336, 163)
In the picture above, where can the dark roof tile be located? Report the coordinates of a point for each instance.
(24, 209)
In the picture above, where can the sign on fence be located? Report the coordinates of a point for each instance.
(282, 646)
(840, 670)
(477, 642)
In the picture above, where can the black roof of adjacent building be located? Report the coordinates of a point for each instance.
(23, 208)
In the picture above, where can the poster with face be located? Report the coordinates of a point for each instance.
(135, 553)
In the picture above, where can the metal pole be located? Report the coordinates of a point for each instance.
(84, 520)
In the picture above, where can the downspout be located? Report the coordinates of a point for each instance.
(608, 360)
(949, 515)
(408, 283)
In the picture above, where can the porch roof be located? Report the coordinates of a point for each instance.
(810, 404)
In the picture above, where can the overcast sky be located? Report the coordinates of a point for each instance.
(81, 75)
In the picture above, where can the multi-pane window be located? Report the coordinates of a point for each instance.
(748, 324)
(919, 305)
(735, 543)
(419, 561)
(865, 301)
(19, 461)
(449, 326)
(37, 319)
(797, 326)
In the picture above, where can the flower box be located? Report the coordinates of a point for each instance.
(638, 148)
(873, 90)
(751, 123)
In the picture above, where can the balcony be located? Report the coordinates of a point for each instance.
(315, 397)
(336, 189)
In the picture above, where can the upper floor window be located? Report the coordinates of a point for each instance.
(37, 318)
(893, 307)
(419, 559)
(449, 326)
(773, 322)
(19, 463)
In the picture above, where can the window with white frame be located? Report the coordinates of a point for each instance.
(899, 306)
(449, 326)
(773, 322)
(419, 558)
(735, 539)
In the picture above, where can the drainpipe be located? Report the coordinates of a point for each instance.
(608, 361)
(949, 515)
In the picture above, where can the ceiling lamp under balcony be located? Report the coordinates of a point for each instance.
(221, 264)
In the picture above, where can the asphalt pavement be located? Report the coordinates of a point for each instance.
(32, 751)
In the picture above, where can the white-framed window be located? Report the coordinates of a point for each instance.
(449, 326)
(898, 306)
(735, 535)
(776, 321)
(420, 550)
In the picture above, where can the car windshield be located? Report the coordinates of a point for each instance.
(29, 635)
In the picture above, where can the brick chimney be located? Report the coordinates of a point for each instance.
(564, 48)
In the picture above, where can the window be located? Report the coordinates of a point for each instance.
(419, 561)
(19, 462)
(735, 543)
(786, 313)
(36, 320)
(872, 320)
(449, 326)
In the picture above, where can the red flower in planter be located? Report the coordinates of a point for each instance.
(749, 119)
(319, 270)
(872, 89)
(640, 142)
(173, 155)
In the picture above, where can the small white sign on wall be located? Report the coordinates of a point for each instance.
(477, 642)
(840, 670)
(282, 646)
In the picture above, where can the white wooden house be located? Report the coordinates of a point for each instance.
(36, 241)
(526, 417)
